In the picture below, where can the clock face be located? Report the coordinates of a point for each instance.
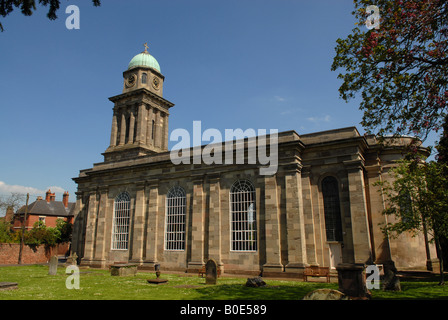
(130, 81)
(156, 83)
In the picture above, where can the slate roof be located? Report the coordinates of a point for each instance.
(52, 208)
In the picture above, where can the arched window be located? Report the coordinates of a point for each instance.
(120, 229)
(243, 216)
(332, 209)
(175, 219)
(144, 78)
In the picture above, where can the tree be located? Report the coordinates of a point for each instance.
(28, 6)
(442, 158)
(400, 68)
(5, 231)
(64, 230)
(14, 200)
(417, 197)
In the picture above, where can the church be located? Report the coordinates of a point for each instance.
(319, 208)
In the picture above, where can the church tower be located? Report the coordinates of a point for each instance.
(140, 114)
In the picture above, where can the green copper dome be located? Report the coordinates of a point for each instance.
(144, 59)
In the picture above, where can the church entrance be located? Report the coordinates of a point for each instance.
(335, 254)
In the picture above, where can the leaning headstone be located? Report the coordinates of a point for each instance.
(72, 260)
(255, 282)
(211, 272)
(325, 294)
(390, 280)
(53, 269)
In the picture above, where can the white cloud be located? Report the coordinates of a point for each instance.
(280, 99)
(56, 189)
(7, 189)
(319, 119)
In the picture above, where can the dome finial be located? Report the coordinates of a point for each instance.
(146, 47)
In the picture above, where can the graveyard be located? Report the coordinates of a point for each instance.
(38, 282)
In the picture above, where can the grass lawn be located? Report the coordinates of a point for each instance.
(34, 283)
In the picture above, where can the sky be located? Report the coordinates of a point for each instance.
(259, 64)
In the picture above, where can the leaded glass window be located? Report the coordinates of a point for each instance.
(332, 209)
(175, 219)
(243, 216)
(120, 234)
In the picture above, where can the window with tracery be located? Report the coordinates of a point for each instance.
(175, 219)
(332, 209)
(243, 216)
(120, 228)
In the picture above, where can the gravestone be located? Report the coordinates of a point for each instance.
(123, 269)
(390, 280)
(352, 280)
(211, 272)
(72, 259)
(53, 269)
(255, 282)
(8, 285)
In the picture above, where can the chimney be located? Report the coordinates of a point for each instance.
(9, 214)
(65, 199)
(48, 195)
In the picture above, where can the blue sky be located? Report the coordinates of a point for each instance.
(230, 64)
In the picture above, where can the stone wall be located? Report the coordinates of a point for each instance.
(9, 253)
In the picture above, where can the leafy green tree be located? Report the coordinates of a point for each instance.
(65, 231)
(400, 68)
(41, 234)
(5, 231)
(27, 7)
(417, 197)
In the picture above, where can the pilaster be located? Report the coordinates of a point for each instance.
(380, 242)
(295, 224)
(100, 239)
(273, 263)
(214, 227)
(152, 224)
(358, 212)
(197, 231)
(89, 247)
(309, 217)
(138, 234)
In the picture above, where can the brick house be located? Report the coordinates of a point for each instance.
(48, 211)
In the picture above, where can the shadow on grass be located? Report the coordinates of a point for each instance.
(270, 292)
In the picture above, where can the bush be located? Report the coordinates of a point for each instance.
(5, 232)
(39, 234)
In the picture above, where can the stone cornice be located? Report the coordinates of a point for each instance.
(142, 95)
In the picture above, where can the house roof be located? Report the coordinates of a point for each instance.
(52, 208)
